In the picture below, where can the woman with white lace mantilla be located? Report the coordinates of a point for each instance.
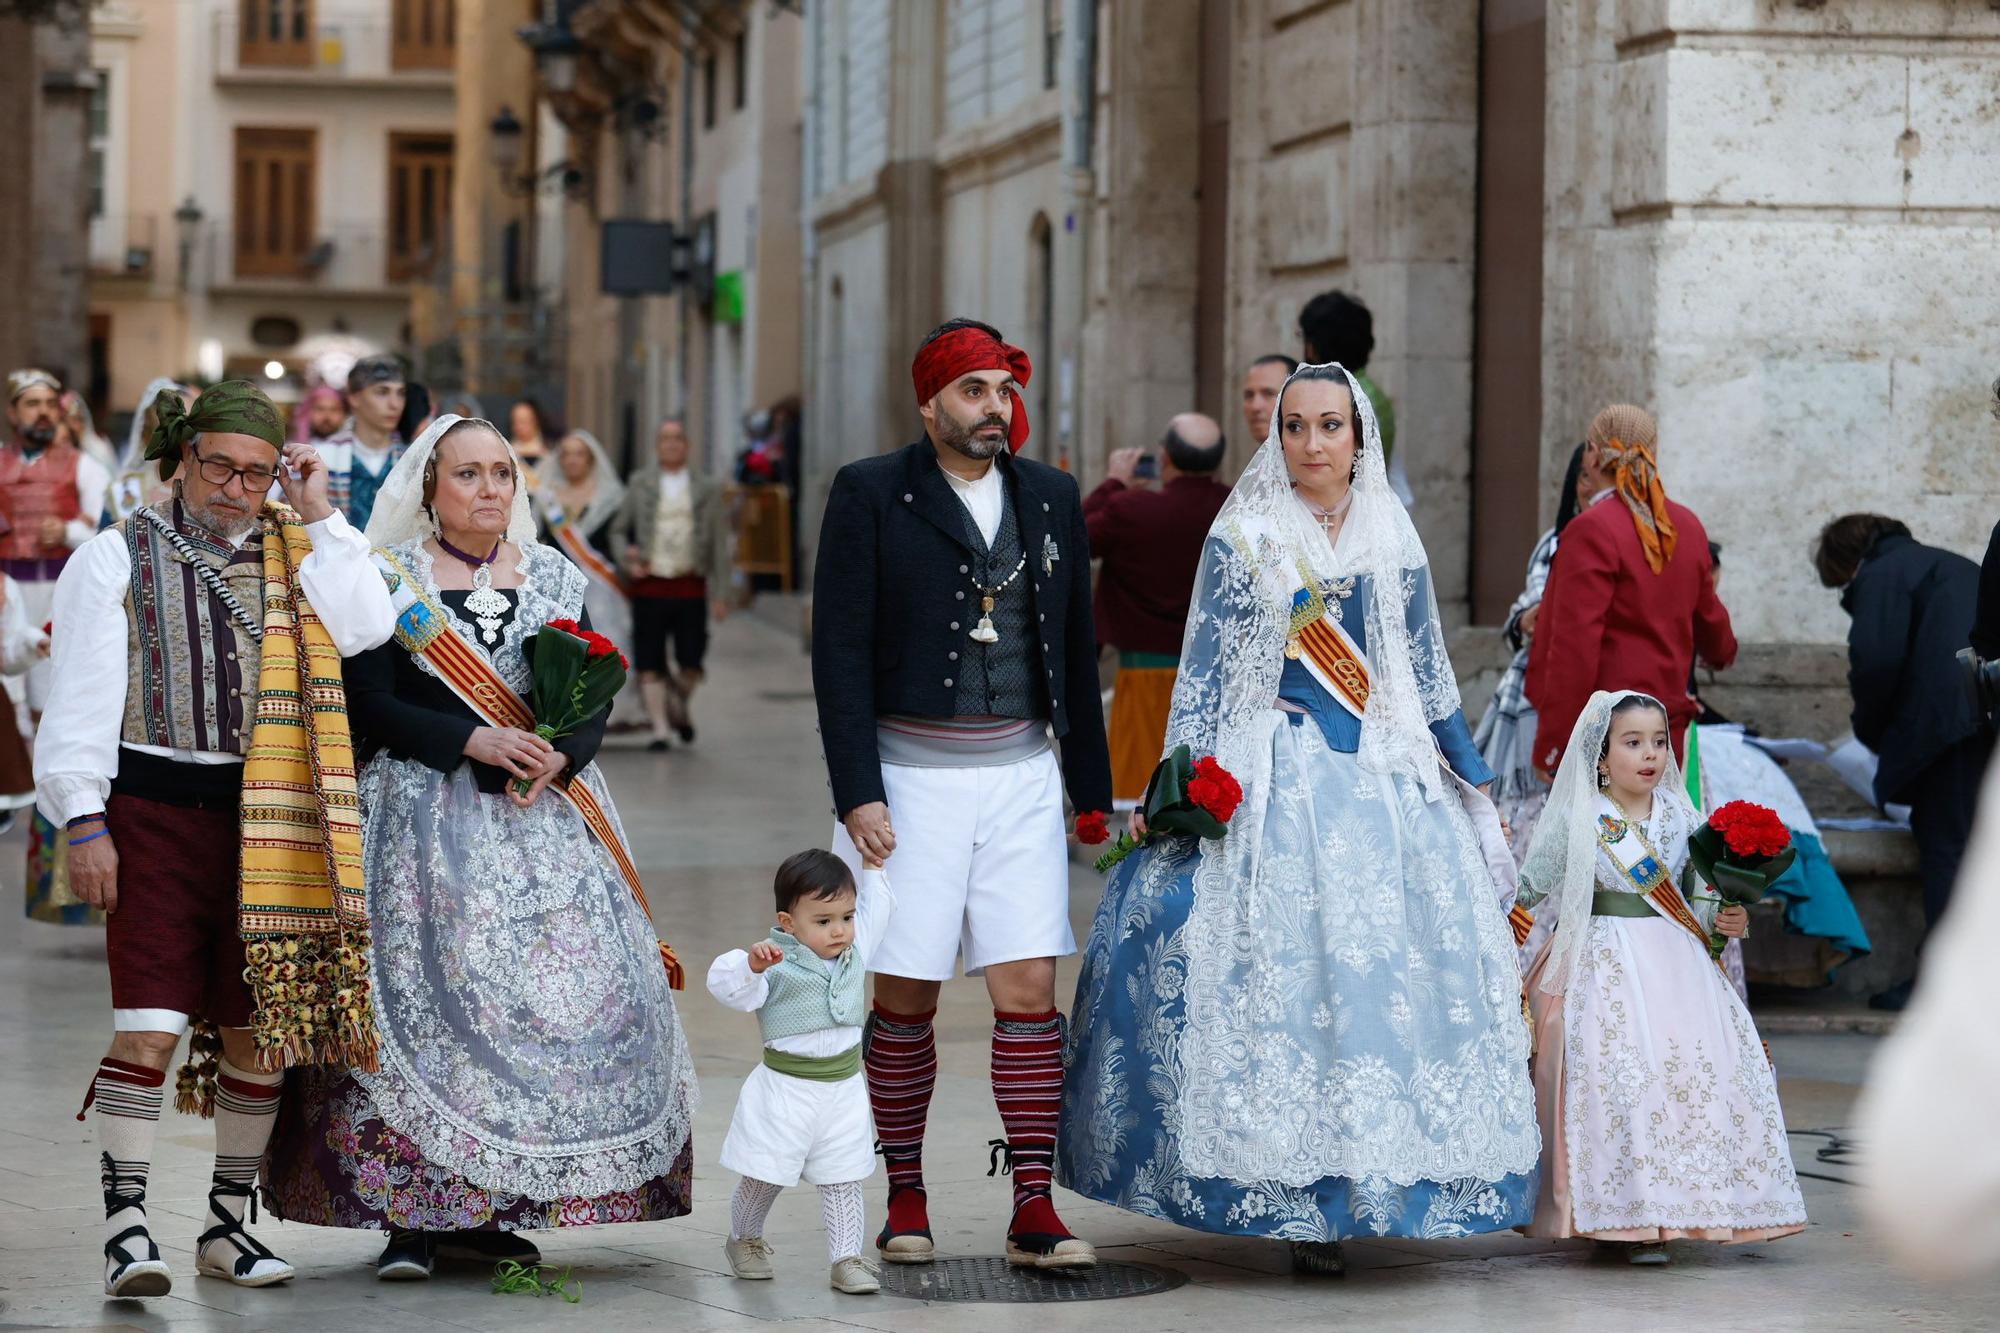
(1311, 1028)
(533, 1072)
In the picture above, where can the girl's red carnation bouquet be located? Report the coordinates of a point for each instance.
(1741, 851)
(1187, 797)
(576, 672)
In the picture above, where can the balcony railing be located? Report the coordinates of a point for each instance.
(345, 257)
(124, 245)
(333, 48)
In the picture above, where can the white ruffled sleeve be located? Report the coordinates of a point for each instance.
(76, 747)
(346, 587)
(731, 981)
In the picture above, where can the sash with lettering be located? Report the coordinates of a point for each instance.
(1318, 643)
(581, 553)
(1625, 842)
(423, 628)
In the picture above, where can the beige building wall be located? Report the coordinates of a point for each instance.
(1774, 224)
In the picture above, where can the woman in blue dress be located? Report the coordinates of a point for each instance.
(1311, 1028)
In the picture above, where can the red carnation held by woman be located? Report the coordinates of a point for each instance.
(567, 627)
(1093, 827)
(1215, 790)
(1750, 831)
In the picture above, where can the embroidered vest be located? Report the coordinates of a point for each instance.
(804, 995)
(1000, 679)
(192, 680)
(32, 489)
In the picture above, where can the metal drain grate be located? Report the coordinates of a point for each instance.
(992, 1279)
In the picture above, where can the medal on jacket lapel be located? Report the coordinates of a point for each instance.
(984, 632)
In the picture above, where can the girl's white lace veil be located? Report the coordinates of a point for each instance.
(610, 491)
(399, 515)
(1562, 855)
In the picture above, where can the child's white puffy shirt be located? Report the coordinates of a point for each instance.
(731, 981)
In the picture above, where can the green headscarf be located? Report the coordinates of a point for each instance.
(233, 407)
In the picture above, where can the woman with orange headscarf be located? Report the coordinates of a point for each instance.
(1630, 601)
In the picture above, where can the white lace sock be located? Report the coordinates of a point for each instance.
(846, 1220)
(749, 1206)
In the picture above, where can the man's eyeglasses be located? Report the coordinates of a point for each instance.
(218, 472)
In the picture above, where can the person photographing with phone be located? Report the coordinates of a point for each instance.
(1150, 542)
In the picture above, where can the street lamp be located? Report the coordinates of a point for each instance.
(187, 225)
(506, 143)
(556, 51)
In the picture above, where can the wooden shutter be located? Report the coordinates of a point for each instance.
(424, 33)
(276, 32)
(419, 202)
(276, 213)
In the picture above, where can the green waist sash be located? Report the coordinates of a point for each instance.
(818, 1068)
(1620, 904)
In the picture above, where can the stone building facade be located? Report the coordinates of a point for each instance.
(1769, 221)
(44, 104)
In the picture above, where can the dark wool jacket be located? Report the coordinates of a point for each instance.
(1912, 606)
(892, 605)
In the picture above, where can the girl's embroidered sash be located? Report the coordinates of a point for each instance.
(1318, 643)
(1633, 856)
(421, 628)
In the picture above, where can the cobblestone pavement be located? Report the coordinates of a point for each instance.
(709, 822)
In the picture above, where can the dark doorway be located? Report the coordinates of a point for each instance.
(1507, 310)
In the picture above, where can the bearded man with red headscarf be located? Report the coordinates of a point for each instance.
(953, 651)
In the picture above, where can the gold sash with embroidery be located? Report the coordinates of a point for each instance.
(1625, 842)
(1318, 643)
(421, 627)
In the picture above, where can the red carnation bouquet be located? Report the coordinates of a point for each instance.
(1740, 851)
(576, 673)
(1188, 798)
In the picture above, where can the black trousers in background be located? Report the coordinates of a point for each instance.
(1943, 800)
(656, 621)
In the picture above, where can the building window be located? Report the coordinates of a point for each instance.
(741, 53)
(100, 139)
(276, 32)
(708, 91)
(419, 203)
(276, 181)
(424, 33)
(1051, 41)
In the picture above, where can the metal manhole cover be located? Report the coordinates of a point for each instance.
(987, 1278)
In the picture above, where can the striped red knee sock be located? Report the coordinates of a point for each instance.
(1027, 1087)
(902, 1067)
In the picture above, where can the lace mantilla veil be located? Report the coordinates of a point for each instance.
(399, 514)
(1562, 856)
(1242, 950)
(610, 491)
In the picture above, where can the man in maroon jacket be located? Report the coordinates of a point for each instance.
(1150, 542)
(1631, 599)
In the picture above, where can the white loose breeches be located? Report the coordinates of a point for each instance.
(789, 1129)
(981, 867)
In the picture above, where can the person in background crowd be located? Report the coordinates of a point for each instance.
(578, 509)
(138, 481)
(320, 415)
(672, 533)
(83, 432)
(463, 404)
(1912, 607)
(1261, 383)
(1337, 327)
(1150, 543)
(1506, 734)
(364, 452)
(528, 431)
(417, 412)
(51, 496)
(21, 646)
(1630, 601)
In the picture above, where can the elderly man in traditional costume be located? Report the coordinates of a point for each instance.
(189, 670)
(51, 494)
(360, 455)
(954, 639)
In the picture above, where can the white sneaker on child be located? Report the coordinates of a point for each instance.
(749, 1258)
(855, 1276)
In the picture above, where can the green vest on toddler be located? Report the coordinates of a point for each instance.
(804, 995)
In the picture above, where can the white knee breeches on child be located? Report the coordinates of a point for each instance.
(789, 1129)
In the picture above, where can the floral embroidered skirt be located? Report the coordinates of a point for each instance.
(333, 1162)
(1374, 997)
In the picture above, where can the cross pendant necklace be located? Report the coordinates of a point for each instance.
(984, 632)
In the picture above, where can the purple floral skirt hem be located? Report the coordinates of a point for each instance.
(334, 1163)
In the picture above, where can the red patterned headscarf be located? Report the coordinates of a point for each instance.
(945, 358)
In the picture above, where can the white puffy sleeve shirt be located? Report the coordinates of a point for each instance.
(76, 747)
(731, 981)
